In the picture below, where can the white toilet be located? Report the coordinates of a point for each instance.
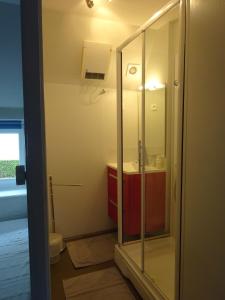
(56, 246)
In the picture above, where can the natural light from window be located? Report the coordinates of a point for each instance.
(9, 154)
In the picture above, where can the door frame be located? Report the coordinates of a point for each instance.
(32, 63)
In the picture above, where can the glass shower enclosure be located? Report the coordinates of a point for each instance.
(147, 76)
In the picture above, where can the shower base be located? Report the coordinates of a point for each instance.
(158, 280)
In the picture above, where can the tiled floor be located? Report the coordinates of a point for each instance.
(159, 258)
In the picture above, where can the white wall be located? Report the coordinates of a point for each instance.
(11, 85)
(81, 140)
(157, 54)
(203, 247)
(63, 37)
(155, 122)
(80, 125)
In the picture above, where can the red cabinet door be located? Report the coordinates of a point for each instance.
(155, 202)
(112, 194)
(132, 204)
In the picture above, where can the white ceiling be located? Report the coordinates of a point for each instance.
(134, 12)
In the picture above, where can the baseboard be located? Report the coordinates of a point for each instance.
(89, 235)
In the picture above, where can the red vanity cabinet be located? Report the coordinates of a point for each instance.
(155, 196)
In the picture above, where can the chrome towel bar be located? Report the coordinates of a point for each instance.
(57, 184)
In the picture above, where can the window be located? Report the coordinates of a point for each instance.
(11, 151)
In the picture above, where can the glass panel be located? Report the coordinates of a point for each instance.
(14, 243)
(159, 252)
(131, 95)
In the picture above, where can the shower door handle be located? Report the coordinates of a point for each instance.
(20, 175)
(140, 162)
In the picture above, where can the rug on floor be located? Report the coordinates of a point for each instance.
(92, 251)
(100, 285)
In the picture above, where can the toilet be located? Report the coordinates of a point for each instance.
(56, 246)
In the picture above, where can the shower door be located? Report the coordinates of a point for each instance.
(143, 115)
(159, 106)
(147, 110)
(132, 140)
(143, 152)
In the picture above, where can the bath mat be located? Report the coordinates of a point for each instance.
(100, 285)
(92, 251)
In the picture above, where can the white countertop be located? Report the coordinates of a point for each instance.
(132, 168)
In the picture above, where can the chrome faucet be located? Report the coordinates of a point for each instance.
(142, 158)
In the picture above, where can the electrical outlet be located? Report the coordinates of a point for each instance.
(154, 107)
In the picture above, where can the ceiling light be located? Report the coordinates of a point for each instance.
(96, 3)
(90, 3)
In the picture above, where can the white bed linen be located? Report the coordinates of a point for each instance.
(14, 260)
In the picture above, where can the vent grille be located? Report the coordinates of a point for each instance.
(98, 76)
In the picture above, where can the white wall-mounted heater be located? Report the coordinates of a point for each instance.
(96, 60)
